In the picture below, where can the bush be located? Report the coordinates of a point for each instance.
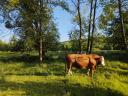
(4, 46)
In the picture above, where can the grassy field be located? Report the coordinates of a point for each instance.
(21, 75)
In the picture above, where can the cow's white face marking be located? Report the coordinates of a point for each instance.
(102, 61)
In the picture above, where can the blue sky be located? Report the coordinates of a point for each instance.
(5, 34)
(63, 20)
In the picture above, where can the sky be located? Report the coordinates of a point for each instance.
(5, 34)
(62, 18)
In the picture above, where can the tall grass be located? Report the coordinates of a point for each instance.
(21, 75)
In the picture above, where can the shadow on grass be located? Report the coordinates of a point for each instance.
(19, 58)
(28, 60)
(125, 82)
(56, 88)
(76, 90)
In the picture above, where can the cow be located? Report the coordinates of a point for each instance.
(89, 61)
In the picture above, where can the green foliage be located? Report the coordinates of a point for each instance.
(99, 42)
(74, 39)
(72, 45)
(4, 46)
(32, 22)
(65, 46)
(115, 36)
(108, 13)
(110, 22)
(51, 37)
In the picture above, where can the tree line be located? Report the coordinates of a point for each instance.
(34, 28)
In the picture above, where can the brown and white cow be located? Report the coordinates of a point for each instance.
(89, 61)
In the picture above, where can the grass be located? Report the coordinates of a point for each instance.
(21, 75)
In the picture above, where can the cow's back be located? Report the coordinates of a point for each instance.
(74, 57)
(93, 56)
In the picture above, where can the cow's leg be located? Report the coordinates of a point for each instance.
(91, 73)
(92, 67)
(69, 67)
(69, 72)
(92, 70)
(88, 71)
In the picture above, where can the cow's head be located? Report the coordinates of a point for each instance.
(101, 61)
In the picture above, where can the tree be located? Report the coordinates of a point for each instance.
(32, 21)
(110, 22)
(80, 24)
(89, 27)
(74, 39)
(115, 38)
(122, 24)
(93, 27)
(74, 35)
(77, 4)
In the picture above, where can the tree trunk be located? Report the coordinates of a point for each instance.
(93, 27)
(122, 25)
(40, 34)
(80, 26)
(89, 27)
(40, 42)
(40, 50)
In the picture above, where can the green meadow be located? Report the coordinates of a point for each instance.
(22, 75)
